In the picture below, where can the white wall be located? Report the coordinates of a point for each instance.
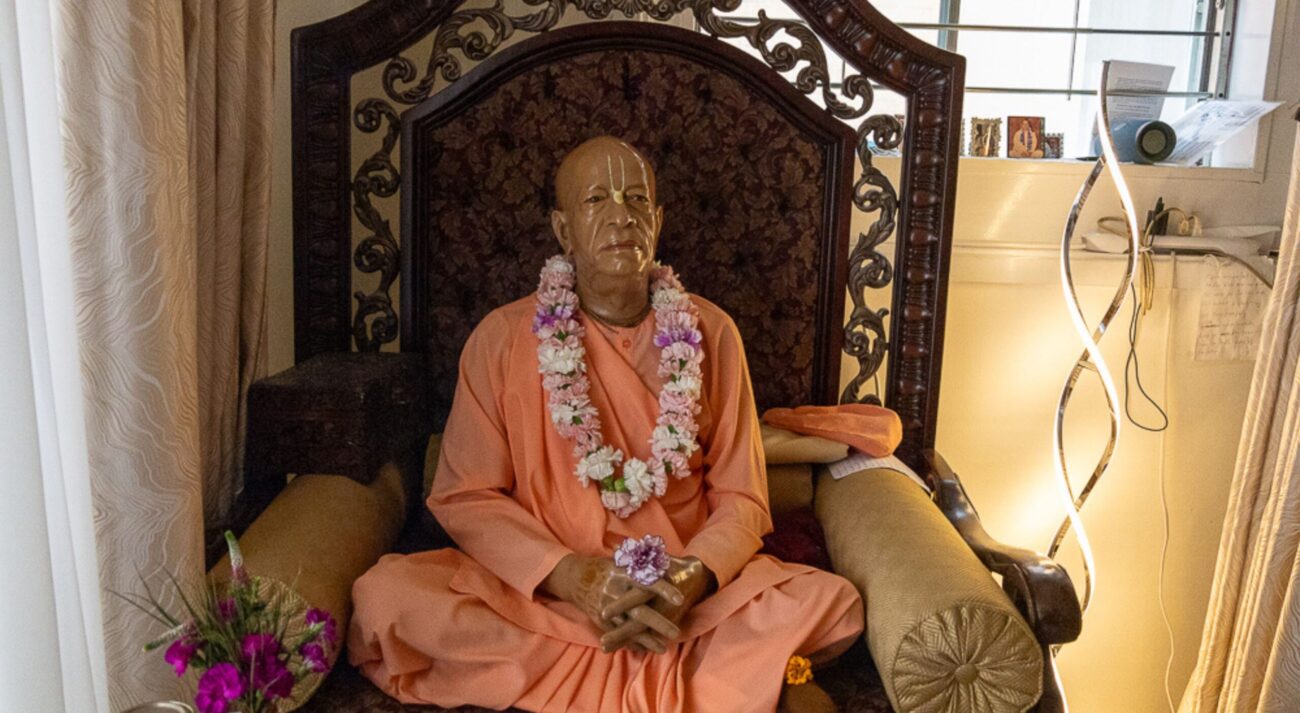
(1008, 349)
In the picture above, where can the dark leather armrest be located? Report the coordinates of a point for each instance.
(341, 414)
(1038, 586)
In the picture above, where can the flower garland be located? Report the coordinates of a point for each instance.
(624, 486)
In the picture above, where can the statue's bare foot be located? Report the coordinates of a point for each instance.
(808, 698)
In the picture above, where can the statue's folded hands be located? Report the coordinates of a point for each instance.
(614, 602)
(642, 608)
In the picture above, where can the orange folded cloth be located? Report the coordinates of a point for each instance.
(874, 430)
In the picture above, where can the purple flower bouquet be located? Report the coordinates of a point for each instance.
(256, 645)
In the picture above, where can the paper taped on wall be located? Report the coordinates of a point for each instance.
(1232, 312)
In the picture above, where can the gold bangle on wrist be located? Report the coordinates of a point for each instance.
(798, 671)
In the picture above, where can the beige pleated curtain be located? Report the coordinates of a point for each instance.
(1249, 658)
(166, 118)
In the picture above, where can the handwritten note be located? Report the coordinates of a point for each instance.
(1232, 312)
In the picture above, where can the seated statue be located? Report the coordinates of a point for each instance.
(602, 473)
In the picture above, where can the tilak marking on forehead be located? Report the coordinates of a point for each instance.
(620, 191)
(622, 169)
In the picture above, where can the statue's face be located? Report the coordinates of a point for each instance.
(606, 216)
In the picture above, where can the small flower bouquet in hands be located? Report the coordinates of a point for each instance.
(256, 644)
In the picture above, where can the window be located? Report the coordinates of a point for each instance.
(1043, 57)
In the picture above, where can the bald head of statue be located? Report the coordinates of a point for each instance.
(606, 216)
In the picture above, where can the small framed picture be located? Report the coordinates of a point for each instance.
(985, 136)
(1052, 145)
(1024, 137)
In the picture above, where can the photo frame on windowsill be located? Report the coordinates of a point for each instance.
(985, 137)
(1053, 145)
(1025, 137)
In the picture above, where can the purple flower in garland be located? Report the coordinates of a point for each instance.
(180, 653)
(666, 337)
(260, 654)
(645, 560)
(329, 630)
(313, 655)
(219, 685)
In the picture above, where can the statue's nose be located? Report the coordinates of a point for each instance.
(622, 214)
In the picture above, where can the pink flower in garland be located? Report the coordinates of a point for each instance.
(218, 687)
(645, 560)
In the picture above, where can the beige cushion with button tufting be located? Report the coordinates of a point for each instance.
(942, 632)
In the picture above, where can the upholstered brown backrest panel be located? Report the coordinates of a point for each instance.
(746, 174)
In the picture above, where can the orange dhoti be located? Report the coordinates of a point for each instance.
(468, 626)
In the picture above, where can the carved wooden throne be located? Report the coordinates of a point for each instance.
(769, 158)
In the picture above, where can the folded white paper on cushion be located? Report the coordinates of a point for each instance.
(859, 461)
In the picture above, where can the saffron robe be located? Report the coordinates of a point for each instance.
(454, 627)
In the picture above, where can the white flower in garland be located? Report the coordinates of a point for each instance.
(598, 464)
(636, 477)
(561, 357)
(684, 384)
(560, 360)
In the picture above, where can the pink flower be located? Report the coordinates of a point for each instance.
(219, 685)
(614, 500)
(684, 426)
(260, 654)
(329, 630)
(645, 560)
(677, 402)
(226, 609)
(659, 475)
(313, 656)
(676, 464)
(180, 653)
(678, 355)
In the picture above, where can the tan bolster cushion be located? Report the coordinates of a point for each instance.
(323, 532)
(943, 634)
(782, 446)
(789, 487)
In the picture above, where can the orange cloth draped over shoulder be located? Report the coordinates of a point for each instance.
(464, 626)
(874, 430)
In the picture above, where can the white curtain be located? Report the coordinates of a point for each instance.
(165, 112)
(53, 658)
(1249, 659)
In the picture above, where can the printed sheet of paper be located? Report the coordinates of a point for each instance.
(857, 461)
(1210, 123)
(1136, 77)
(1232, 312)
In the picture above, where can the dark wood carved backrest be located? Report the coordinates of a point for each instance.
(750, 175)
(778, 170)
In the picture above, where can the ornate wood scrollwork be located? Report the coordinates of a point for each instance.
(864, 335)
(376, 322)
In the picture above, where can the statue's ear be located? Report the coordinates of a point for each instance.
(560, 226)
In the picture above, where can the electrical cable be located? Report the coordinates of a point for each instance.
(1164, 510)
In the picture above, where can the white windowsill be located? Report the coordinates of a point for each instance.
(979, 166)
